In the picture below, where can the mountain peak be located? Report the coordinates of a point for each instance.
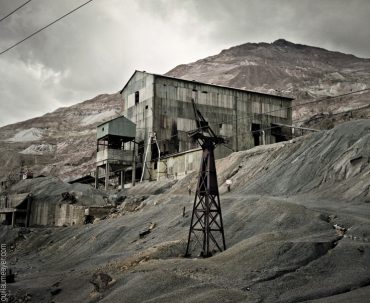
(282, 42)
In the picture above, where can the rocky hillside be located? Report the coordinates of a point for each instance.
(62, 143)
(289, 239)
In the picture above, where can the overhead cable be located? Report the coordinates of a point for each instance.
(11, 13)
(45, 27)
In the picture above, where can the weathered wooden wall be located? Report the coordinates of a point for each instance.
(165, 107)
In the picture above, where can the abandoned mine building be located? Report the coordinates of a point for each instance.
(158, 114)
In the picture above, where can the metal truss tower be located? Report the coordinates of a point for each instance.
(206, 228)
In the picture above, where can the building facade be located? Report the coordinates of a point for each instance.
(162, 105)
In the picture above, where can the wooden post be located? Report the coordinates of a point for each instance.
(29, 201)
(97, 177)
(133, 166)
(122, 178)
(106, 175)
(13, 218)
(236, 123)
(97, 166)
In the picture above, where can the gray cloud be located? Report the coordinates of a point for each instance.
(97, 48)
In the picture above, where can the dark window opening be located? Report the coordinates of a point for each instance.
(220, 125)
(137, 97)
(174, 143)
(204, 92)
(256, 132)
(140, 149)
(154, 150)
(279, 133)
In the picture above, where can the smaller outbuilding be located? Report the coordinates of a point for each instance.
(15, 209)
(48, 201)
(115, 151)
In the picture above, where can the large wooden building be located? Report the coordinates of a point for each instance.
(162, 105)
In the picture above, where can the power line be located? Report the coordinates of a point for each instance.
(45, 27)
(11, 13)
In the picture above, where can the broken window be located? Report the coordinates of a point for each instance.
(256, 132)
(137, 97)
(154, 150)
(279, 133)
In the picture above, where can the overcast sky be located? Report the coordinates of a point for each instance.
(97, 48)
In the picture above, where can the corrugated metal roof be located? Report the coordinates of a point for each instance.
(17, 199)
(204, 83)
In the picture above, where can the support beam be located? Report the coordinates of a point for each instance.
(145, 157)
(122, 178)
(97, 177)
(133, 166)
(13, 218)
(106, 175)
(29, 201)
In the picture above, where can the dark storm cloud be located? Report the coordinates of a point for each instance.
(97, 48)
(336, 24)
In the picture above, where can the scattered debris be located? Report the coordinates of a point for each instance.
(361, 249)
(228, 183)
(55, 291)
(147, 231)
(134, 203)
(119, 200)
(143, 233)
(339, 230)
(101, 281)
(70, 197)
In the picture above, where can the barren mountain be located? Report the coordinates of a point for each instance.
(62, 143)
(303, 72)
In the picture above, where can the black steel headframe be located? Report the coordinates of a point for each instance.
(206, 227)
